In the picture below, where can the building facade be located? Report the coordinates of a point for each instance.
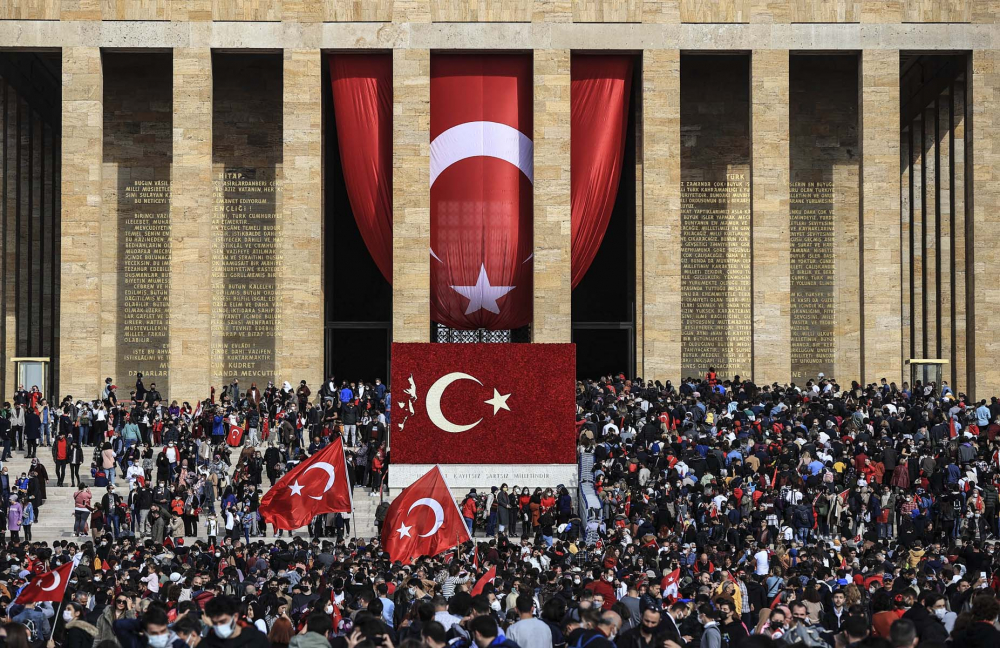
(812, 184)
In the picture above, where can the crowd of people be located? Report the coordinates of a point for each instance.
(731, 515)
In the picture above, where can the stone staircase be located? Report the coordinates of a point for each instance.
(56, 514)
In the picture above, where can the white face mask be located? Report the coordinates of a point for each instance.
(159, 641)
(67, 615)
(940, 612)
(495, 605)
(225, 630)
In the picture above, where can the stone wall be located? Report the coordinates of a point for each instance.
(135, 264)
(716, 272)
(825, 165)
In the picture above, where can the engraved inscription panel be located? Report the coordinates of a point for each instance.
(715, 274)
(246, 259)
(144, 276)
(813, 315)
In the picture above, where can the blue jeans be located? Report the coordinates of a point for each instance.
(491, 523)
(113, 519)
(468, 523)
(110, 472)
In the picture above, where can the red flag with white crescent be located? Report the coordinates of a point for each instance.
(669, 584)
(482, 170)
(480, 403)
(317, 485)
(423, 520)
(50, 586)
(487, 578)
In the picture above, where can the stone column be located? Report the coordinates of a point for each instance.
(191, 208)
(880, 248)
(771, 242)
(411, 195)
(300, 338)
(984, 293)
(80, 290)
(660, 345)
(551, 320)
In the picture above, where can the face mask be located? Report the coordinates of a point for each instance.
(97, 579)
(67, 615)
(225, 630)
(940, 612)
(159, 641)
(576, 581)
(329, 609)
(495, 605)
(412, 591)
(218, 555)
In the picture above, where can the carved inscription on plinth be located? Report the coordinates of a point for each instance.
(144, 280)
(246, 257)
(813, 314)
(716, 317)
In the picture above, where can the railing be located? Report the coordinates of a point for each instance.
(590, 510)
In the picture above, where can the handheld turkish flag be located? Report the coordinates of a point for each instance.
(50, 586)
(423, 520)
(487, 578)
(317, 485)
(235, 435)
(668, 586)
(482, 404)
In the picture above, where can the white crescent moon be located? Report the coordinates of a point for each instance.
(483, 138)
(435, 506)
(322, 465)
(434, 403)
(55, 582)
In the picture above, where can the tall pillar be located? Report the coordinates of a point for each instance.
(771, 243)
(984, 253)
(80, 290)
(411, 195)
(552, 320)
(191, 208)
(880, 259)
(661, 215)
(300, 339)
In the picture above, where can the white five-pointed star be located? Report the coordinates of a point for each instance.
(404, 531)
(498, 402)
(296, 489)
(482, 295)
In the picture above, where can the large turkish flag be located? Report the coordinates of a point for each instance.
(482, 171)
(423, 520)
(317, 485)
(50, 586)
(483, 403)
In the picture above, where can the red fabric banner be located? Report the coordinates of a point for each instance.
(481, 403)
(481, 190)
(362, 102)
(599, 104)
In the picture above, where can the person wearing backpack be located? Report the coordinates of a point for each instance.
(34, 620)
(711, 636)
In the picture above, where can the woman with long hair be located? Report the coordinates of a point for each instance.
(16, 635)
(281, 632)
